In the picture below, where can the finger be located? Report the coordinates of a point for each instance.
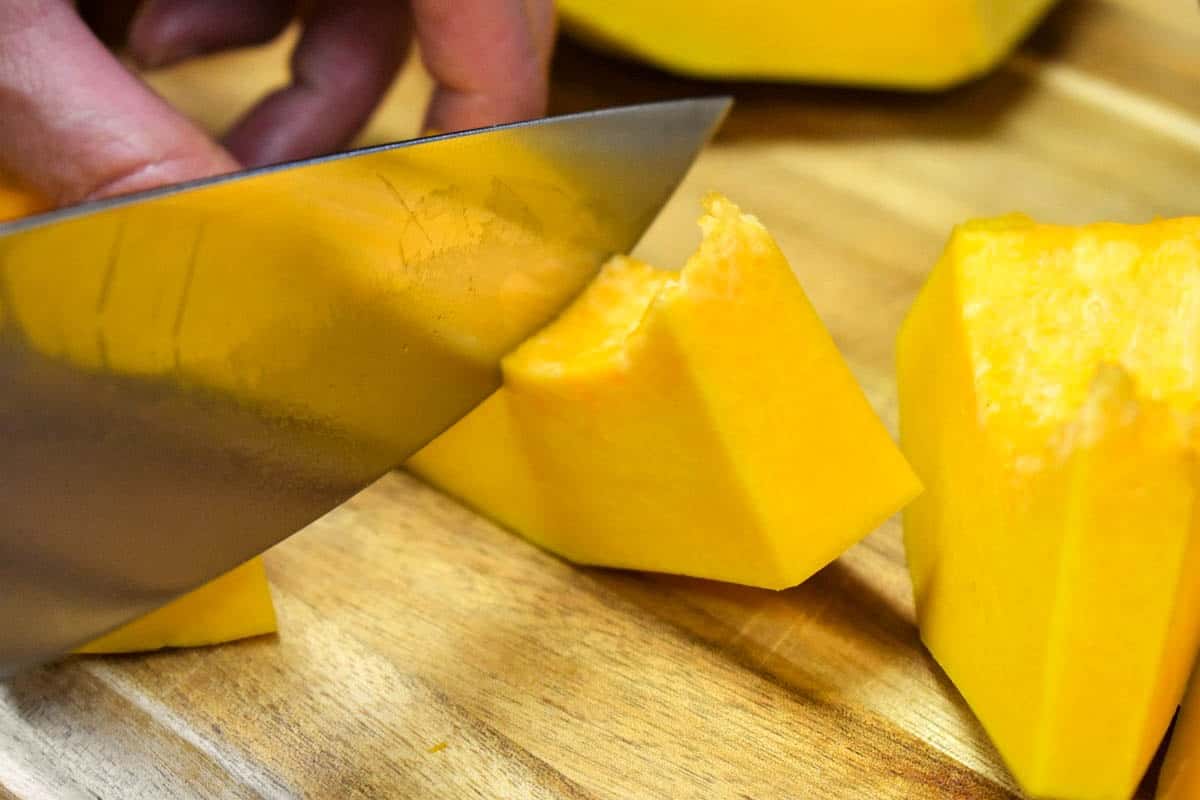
(543, 24)
(489, 58)
(167, 31)
(345, 60)
(79, 127)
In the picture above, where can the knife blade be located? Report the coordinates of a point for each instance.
(189, 375)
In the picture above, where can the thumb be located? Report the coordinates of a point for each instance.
(75, 124)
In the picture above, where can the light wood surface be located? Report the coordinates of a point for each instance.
(426, 653)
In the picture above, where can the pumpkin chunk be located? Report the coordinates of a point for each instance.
(698, 422)
(1048, 381)
(919, 44)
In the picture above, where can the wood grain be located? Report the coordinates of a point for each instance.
(426, 653)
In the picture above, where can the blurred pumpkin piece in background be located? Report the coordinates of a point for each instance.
(919, 44)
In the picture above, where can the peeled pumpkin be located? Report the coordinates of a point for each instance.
(233, 606)
(916, 44)
(1049, 378)
(699, 422)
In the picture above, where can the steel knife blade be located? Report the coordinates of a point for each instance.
(189, 375)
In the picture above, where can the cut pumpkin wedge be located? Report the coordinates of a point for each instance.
(1049, 379)
(699, 422)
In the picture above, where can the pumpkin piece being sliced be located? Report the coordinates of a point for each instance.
(161, 292)
(1048, 383)
(698, 422)
(237, 605)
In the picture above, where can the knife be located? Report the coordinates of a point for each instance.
(190, 374)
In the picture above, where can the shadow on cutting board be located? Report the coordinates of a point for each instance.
(874, 643)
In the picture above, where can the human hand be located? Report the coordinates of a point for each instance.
(75, 124)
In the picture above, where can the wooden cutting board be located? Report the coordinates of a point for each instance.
(426, 653)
